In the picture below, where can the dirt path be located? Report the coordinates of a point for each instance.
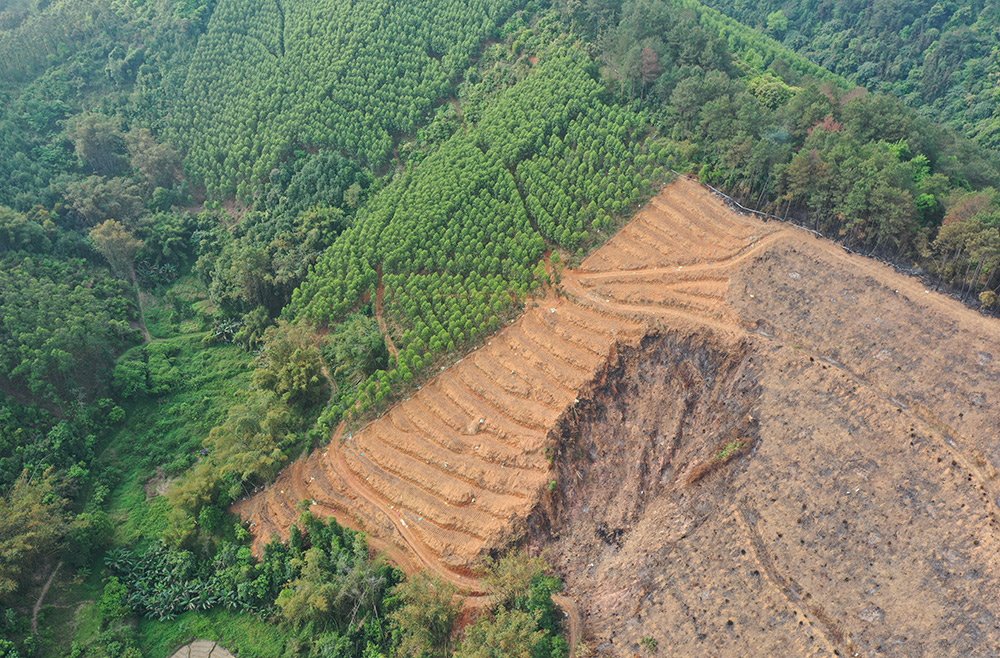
(471, 587)
(147, 338)
(829, 633)
(202, 649)
(35, 609)
(427, 559)
(380, 315)
(574, 621)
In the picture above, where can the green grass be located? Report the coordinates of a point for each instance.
(730, 449)
(70, 611)
(245, 635)
(167, 431)
(163, 431)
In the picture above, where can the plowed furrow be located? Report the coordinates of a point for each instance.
(642, 312)
(664, 297)
(478, 436)
(522, 408)
(282, 510)
(573, 330)
(512, 382)
(662, 276)
(722, 266)
(705, 288)
(552, 373)
(639, 253)
(601, 323)
(619, 256)
(264, 524)
(327, 485)
(484, 414)
(660, 251)
(651, 227)
(405, 494)
(487, 441)
(449, 488)
(572, 369)
(446, 412)
(541, 381)
(453, 551)
(602, 260)
(673, 228)
(723, 234)
(541, 331)
(476, 473)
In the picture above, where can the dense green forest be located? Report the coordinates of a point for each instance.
(942, 57)
(203, 203)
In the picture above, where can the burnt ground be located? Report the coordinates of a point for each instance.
(859, 515)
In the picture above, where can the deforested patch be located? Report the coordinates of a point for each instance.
(668, 417)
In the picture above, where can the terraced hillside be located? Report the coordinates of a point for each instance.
(730, 436)
(449, 472)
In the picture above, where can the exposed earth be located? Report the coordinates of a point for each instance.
(202, 649)
(730, 438)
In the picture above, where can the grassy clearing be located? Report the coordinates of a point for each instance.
(160, 438)
(244, 635)
(162, 434)
(70, 611)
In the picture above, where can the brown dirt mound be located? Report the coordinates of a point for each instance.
(760, 445)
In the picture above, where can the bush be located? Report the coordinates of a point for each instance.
(425, 617)
(130, 378)
(89, 536)
(114, 600)
(290, 366)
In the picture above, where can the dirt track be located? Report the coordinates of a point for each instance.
(861, 520)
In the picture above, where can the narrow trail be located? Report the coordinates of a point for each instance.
(36, 609)
(574, 621)
(831, 635)
(147, 338)
(380, 315)
(750, 250)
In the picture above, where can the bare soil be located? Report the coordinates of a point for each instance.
(728, 436)
(202, 649)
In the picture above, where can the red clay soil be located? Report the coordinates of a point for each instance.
(728, 436)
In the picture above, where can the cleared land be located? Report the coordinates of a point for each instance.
(729, 436)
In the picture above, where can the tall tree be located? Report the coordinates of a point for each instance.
(119, 247)
(31, 524)
(99, 143)
(426, 616)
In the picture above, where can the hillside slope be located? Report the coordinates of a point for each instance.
(860, 517)
(941, 57)
(730, 435)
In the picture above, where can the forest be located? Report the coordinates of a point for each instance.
(938, 56)
(228, 226)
